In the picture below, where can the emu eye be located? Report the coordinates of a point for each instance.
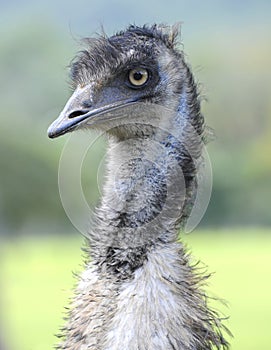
(138, 76)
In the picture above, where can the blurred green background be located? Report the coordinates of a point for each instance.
(228, 45)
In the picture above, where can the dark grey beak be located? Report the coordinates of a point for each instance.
(76, 111)
(80, 110)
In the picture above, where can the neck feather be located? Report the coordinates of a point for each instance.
(144, 200)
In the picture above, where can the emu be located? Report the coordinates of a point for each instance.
(139, 290)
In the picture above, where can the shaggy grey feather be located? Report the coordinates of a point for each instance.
(139, 290)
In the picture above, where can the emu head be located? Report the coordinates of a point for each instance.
(113, 76)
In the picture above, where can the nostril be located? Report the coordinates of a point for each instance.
(77, 113)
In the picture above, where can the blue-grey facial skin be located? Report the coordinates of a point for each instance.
(138, 289)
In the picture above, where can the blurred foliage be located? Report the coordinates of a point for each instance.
(234, 54)
(34, 87)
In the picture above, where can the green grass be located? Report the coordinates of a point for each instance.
(36, 282)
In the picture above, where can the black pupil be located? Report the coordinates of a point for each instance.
(138, 76)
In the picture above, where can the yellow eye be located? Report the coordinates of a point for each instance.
(138, 76)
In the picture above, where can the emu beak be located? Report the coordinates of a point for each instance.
(80, 110)
(73, 113)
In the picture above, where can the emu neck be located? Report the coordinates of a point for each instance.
(142, 201)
